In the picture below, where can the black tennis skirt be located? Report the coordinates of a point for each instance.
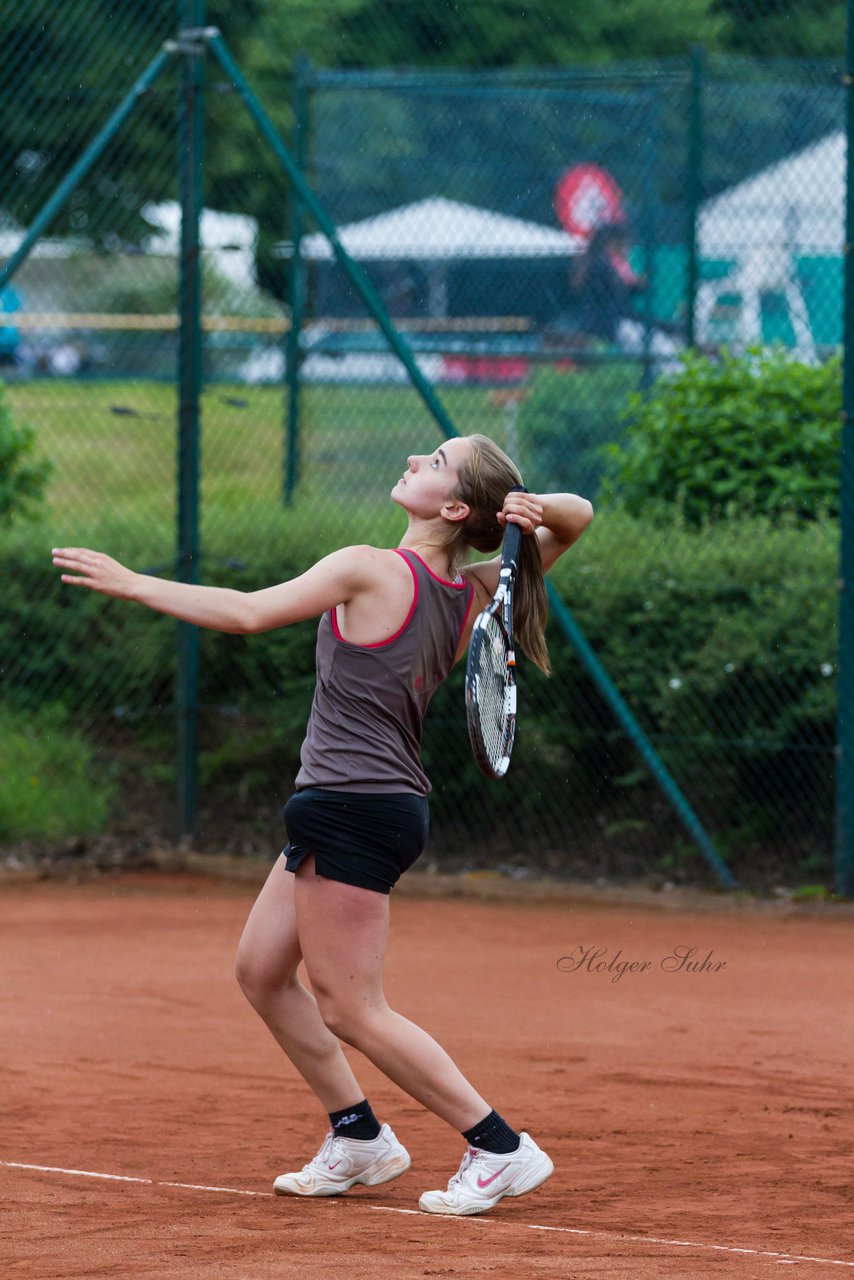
(364, 840)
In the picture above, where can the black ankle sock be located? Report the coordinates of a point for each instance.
(355, 1122)
(493, 1134)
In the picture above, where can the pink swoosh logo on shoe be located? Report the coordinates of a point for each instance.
(481, 1182)
(334, 1166)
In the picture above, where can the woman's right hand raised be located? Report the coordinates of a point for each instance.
(522, 508)
(93, 569)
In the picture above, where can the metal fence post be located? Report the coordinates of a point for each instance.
(192, 48)
(298, 282)
(845, 711)
(649, 233)
(694, 186)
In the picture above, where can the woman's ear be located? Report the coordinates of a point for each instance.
(455, 510)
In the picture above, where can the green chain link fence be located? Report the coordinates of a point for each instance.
(551, 233)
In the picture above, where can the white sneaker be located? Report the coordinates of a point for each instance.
(484, 1178)
(341, 1162)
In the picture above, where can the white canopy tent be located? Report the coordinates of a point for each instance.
(793, 208)
(796, 203)
(438, 232)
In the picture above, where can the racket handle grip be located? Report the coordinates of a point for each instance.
(512, 536)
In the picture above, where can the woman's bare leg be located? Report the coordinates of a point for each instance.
(343, 931)
(267, 959)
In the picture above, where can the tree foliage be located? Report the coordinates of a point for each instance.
(67, 67)
(480, 33)
(785, 28)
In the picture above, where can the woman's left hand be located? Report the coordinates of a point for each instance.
(93, 569)
(524, 509)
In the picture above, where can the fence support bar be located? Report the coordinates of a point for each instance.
(845, 711)
(358, 279)
(78, 171)
(630, 723)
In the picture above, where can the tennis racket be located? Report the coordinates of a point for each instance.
(491, 668)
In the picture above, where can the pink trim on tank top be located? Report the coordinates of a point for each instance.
(458, 586)
(379, 644)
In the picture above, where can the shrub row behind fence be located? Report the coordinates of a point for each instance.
(740, 697)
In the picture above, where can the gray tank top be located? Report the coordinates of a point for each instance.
(364, 731)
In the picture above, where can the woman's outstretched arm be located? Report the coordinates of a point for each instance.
(333, 580)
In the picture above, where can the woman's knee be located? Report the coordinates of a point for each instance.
(261, 974)
(350, 1020)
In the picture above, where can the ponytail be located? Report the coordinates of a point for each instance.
(530, 604)
(486, 477)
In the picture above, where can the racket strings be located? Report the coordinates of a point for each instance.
(492, 679)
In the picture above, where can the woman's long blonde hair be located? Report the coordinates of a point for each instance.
(485, 478)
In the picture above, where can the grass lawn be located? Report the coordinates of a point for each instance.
(114, 449)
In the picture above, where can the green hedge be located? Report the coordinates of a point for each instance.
(756, 435)
(722, 638)
(51, 784)
(22, 475)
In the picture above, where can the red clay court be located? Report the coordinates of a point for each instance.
(700, 1122)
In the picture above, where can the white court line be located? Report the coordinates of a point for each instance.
(121, 1177)
(489, 1222)
(619, 1235)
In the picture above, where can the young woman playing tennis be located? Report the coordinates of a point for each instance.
(392, 624)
